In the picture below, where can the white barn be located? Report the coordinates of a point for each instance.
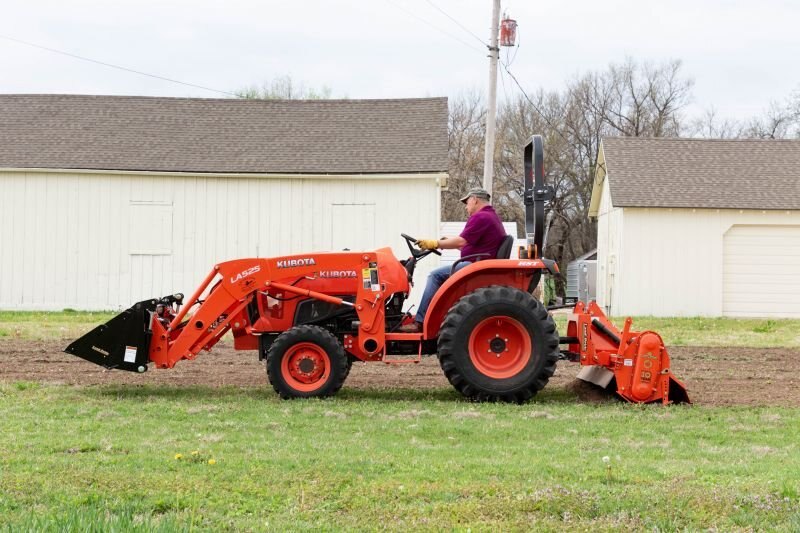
(108, 200)
(695, 227)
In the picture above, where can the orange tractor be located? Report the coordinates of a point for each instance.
(310, 316)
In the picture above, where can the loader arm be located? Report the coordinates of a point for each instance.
(167, 330)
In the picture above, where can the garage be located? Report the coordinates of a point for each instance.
(760, 271)
(698, 227)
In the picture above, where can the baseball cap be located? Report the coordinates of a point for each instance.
(477, 192)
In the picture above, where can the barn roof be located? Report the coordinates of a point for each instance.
(702, 173)
(223, 135)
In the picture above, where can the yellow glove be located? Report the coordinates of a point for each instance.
(428, 244)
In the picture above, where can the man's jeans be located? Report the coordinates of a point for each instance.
(435, 280)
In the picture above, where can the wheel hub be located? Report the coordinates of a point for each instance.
(306, 365)
(497, 345)
(500, 347)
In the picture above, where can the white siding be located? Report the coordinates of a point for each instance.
(760, 271)
(671, 260)
(80, 240)
(609, 232)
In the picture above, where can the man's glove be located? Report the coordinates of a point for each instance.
(428, 244)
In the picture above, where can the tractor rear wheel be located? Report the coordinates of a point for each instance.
(498, 343)
(306, 362)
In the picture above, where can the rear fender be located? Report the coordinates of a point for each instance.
(509, 272)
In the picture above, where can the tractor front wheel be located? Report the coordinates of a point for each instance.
(306, 362)
(498, 343)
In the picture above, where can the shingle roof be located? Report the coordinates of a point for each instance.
(703, 173)
(223, 135)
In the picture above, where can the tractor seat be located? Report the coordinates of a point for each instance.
(504, 252)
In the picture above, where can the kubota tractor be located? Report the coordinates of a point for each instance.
(310, 316)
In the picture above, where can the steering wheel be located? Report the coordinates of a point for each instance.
(417, 252)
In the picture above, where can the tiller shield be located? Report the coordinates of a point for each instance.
(122, 342)
(637, 362)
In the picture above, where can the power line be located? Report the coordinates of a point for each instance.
(440, 10)
(516, 49)
(505, 91)
(409, 13)
(535, 107)
(110, 65)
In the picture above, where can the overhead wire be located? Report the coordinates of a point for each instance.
(535, 107)
(443, 12)
(571, 144)
(111, 65)
(414, 15)
(506, 66)
(503, 83)
(516, 49)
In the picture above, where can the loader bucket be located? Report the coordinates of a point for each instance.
(121, 343)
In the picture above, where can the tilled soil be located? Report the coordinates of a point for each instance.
(714, 376)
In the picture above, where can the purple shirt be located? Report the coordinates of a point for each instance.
(484, 234)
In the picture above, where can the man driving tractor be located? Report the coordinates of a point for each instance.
(483, 234)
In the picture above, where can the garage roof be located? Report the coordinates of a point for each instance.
(223, 135)
(703, 173)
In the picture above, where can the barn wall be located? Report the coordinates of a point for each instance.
(88, 240)
(672, 259)
(609, 266)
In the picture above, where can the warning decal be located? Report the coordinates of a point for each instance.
(130, 354)
(369, 277)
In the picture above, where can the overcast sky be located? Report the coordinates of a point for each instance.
(741, 54)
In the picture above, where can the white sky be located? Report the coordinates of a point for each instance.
(741, 54)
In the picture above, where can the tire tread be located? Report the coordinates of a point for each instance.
(451, 331)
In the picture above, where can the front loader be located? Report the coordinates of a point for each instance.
(310, 316)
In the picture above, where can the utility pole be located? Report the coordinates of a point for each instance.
(494, 56)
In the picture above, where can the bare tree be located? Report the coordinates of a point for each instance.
(466, 139)
(283, 88)
(711, 126)
(779, 121)
(630, 99)
(638, 100)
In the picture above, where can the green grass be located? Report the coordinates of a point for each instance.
(703, 331)
(697, 331)
(38, 325)
(103, 458)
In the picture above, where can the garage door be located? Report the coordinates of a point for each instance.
(761, 271)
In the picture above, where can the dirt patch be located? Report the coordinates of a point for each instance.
(714, 376)
(589, 392)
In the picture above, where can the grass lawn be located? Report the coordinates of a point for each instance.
(37, 325)
(703, 331)
(695, 331)
(104, 458)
